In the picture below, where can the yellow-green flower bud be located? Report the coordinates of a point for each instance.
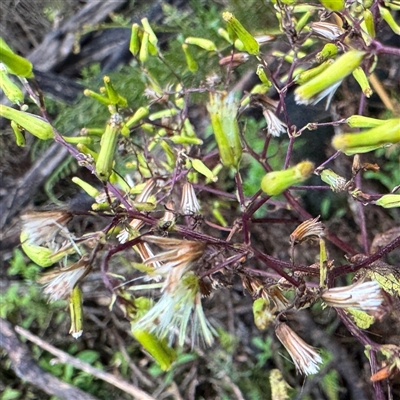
(10, 89)
(29, 122)
(382, 135)
(108, 145)
(140, 113)
(359, 121)
(93, 156)
(223, 109)
(263, 76)
(19, 135)
(362, 80)
(38, 254)
(328, 51)
(99, 97)
(190, 61)
(250, 44)
(388, 17)
(163, 114)
(89, 189)
(335, 181)
(185, 140)
(201, 168)
(224, 34)
(389, 201)
(157, 348)
(112, 94)
(301, 23)
(323, 83)
(262, 313)
(201, 42)
(16, 64)
(274, 183)
(306, 76)
(147, 28)
(144, 48)
(369, 23)
(76, 312)
(134, 44)
(333, 5)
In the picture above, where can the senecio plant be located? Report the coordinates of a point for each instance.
(181, 247)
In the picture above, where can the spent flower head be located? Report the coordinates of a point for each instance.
(43, 227)
(304, 356)
(364, 296)
(59, 283)
(189, 202)
(175, 309)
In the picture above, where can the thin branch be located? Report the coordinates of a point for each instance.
(85, 367)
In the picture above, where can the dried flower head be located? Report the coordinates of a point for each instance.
(308, 230)
(304, 356)
(174, 310)
(189, 202)
(274, 125)
(326, 30)
(176, 260)
(43, 227)
(59, 283)
(364, 296)
(234, 60)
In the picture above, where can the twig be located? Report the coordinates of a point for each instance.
(67, 359)
(27, 369)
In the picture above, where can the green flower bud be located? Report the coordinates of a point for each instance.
(389, 201)
(16, 64)
(112, 94)
(369, 23)
(147, 28)
(98, 97)
(388, 17)
(89, 189)
(33, 124)
(307, 75)
(38, 254)
(76, 312)
(323, 84)
(262, 313)
(359, 121)
(10, 89)
(223, 109)
(144, 48)
(203, 43)
(380, 136)
(163, 114)
(185, 140)
(140, 113)
(158, 348)
(250, 44)
(274, 183)
(108, 145)
(335, 181)
(201, 168)
(190, 61)
(19, 135)
(362, 80)
(263, 76)
(328, 51)
(134, 44)
(301, 23)
(225, 35)
(333, 5)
